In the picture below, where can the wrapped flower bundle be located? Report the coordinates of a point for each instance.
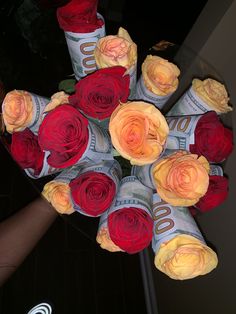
(180, 249)
(201, 134)
(202, 96)
(83, 134)
(89, 190)
(158, 81)
(71, 138)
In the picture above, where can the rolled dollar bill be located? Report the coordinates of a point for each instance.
(180, 249)
(158, 81)
(81, 49)
(144, 175)
(181, 131)
(22, 109)
(103, 237)
(129, 219)
(99, 146)
(201, 97)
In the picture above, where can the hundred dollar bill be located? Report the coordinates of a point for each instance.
(132, 71)
(144, 174)
(133, 193)
(39, 103)
(68, 174)
(216, 170)
(170, 221)
(81, 49)
(143, 93)
(181, 131)
(99, 146)
(46, 169)
(188, 104)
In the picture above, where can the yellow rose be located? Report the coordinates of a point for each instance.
(159, 75)
(57, 99)
(213, 94)
(17, 110)
(185, 257)
(116, 50)
(103, 238)
(58, 194)
(138, 132)
(181, 178)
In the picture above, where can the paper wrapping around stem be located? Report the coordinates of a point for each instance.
(132, 71)
(143, 93)
(99, 146)
(181, 131)
(133, 193)
(46, 169)
(189, 104)
(144, 174)
(39, 103)
(170, 221)
(81, 49)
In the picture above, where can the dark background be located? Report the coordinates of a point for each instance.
(67, 268)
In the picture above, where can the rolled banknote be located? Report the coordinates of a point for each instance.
(158, 81)
(103, 237)
(180, 249)
(201, 97)
(145, 175)
(72, 139)
(129, 219)
(203, 134)
(22, 109)
(81, 49)
(93, 190)
(116, 50)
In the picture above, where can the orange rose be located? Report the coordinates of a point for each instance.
(115, 50)
(58, 194)
(138, 132)
(17, 110)
(57, 99)
(103, 238)
(185, 257)
(181, 178)
(159, 75)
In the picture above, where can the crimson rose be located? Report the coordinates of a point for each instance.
(64, 133)
(99, 93)
(130, 228)
(93, 192)
(79, 16)
(212, 139)
(26, 150)
(216, 194)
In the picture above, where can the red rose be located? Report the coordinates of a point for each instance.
(99, 93)
(26, 150)
(212, 139)
(216, 194)
(79, 16)
(131, 229)
(93, 192)
(64, 133)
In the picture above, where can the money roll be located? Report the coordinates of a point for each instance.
(179, 247)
